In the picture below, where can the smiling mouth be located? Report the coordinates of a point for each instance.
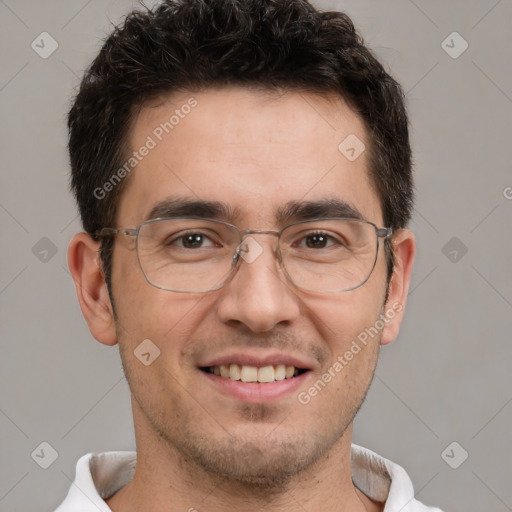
(260, 374)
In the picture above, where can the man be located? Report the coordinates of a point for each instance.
(243, 173)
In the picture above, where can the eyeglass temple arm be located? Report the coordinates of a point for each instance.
(103, 232)
(384, 232)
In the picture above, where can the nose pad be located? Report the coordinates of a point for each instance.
(249, 249)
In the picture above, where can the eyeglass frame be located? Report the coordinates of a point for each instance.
(384, 233)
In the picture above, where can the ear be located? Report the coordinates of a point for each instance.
(404, 246)
(85, 266)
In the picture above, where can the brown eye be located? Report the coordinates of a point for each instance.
(317, 241)
(191, 240)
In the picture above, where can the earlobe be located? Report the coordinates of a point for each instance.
(404, 246)
(85, 267)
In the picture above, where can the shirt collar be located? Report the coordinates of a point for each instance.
(100, 476)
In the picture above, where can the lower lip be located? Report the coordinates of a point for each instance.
(254, 392)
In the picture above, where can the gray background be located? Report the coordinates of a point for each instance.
(447, 377)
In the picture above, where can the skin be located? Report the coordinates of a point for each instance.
(197, 447)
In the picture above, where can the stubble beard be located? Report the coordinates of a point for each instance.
(266, 464)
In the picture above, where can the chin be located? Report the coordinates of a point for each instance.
(265, 460)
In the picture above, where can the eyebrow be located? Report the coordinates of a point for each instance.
(183, 207)
(293, 211)
(322, 209)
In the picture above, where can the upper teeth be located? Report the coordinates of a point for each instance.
(247, 373)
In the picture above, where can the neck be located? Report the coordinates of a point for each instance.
(166, 481)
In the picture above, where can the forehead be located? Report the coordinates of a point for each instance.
(257, 152)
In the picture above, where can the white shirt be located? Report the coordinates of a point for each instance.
(100, 476)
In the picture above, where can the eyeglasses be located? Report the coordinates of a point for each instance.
(195, 255)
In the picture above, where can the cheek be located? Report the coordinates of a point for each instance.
(348, 327)
(342, 318)
(146, 312)
(158, 323)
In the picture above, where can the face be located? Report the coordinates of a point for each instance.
(254, 151)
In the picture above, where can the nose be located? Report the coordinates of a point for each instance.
(259, 295)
